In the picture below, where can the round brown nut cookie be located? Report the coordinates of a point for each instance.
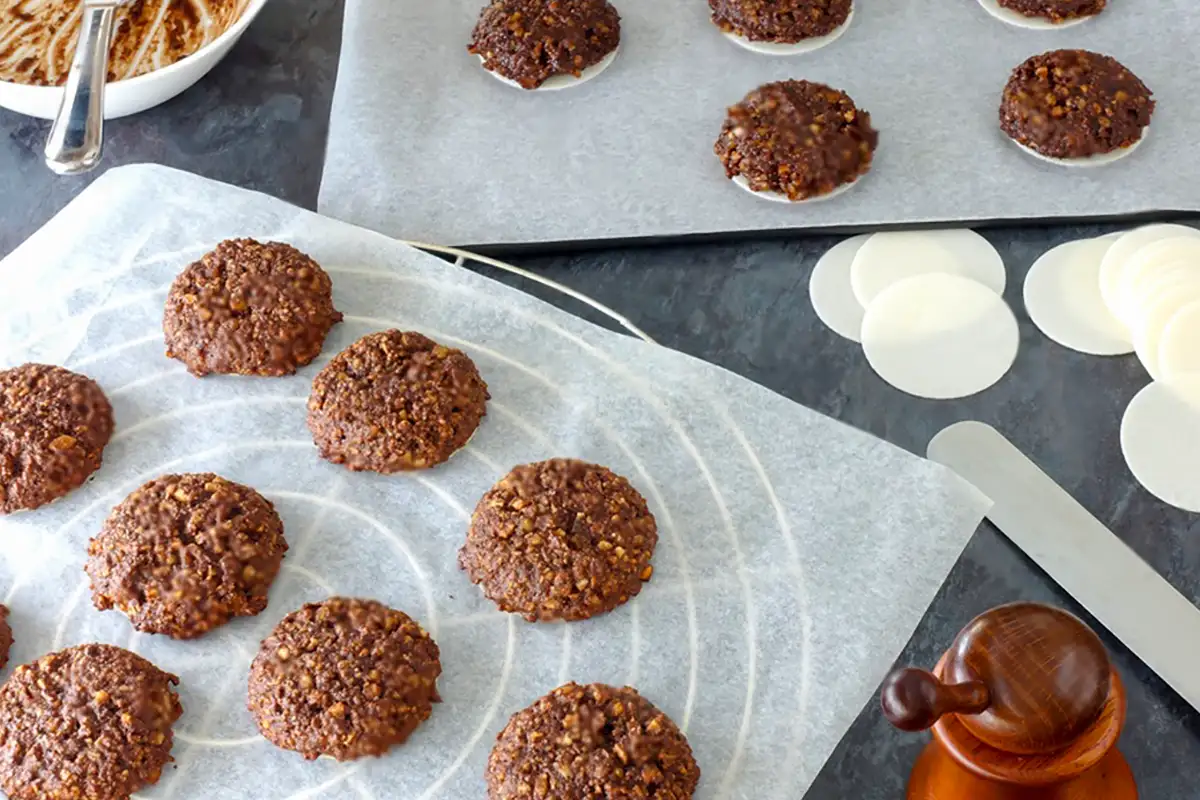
(6, 636)
(249, 309)
(54, 425)
(560, 540)
(530, 41)
(584, 742)
(783, 21)
(395, 401)
(1056, 11)
(796, 138)
(185, 554)
(1068, 104)
(343, 678)
(92, 721)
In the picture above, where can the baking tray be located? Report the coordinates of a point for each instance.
(425, 144)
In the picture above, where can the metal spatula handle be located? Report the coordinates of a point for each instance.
(76, 138)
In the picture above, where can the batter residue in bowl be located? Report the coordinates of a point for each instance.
(37, 37)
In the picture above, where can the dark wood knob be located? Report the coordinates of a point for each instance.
(913, 699)
(1047, 676)
(1025, 678)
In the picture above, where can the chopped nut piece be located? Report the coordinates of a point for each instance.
(63, 443)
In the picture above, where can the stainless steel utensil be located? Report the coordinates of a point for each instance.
(76, 139)
(1085, 558)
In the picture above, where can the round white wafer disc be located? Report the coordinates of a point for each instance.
(1152, 264)
(891, 257)
(1171, 279)
(1144, 291)
(558, 82)
(792, 49)
(1062, 296)
(1179, 347)
(1185, 247)
(1112, 269)
(1160, 436)
(832, 296)
(1021, 21)
(1098, 160)
(1154, 317)
(940, 336)
(779, 197)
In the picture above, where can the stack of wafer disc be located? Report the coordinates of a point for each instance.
(1136, 292)
(927, 307)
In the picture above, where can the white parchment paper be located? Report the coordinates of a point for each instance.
(425, 145)
(796, 556)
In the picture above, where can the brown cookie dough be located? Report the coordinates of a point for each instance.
(395, 401)
(6, 637)
(37, 40)
(530, 41)
(560, 540)
(92, 721)
(796, 138)
(1056, 11)
(54, 425)
(343, 678)
(1069, 104)
(585, 742)
(185, 554)
(249, 309)
(783, 21)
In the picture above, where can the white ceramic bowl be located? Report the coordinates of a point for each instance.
(122, 98)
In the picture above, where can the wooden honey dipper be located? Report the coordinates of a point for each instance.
(1025, 705)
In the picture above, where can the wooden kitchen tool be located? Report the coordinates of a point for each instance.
(1024, 706)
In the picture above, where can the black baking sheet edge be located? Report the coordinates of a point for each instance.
(771, 234)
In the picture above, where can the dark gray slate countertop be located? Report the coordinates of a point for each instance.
(260, 120)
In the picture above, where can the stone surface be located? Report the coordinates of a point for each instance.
(259, 121)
